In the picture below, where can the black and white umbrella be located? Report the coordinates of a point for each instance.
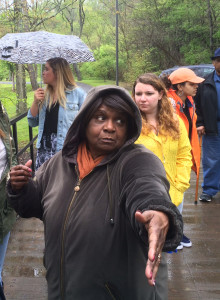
(39, 46)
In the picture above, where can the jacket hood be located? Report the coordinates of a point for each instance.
(73, 137)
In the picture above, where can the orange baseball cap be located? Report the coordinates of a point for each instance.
(184, 74)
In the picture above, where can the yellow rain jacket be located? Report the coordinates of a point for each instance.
(176, 158)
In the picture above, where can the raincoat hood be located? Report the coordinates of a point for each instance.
(74, 138)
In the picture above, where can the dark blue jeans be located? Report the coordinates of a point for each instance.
(211, 163)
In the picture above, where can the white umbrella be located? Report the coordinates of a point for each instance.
(37, 47)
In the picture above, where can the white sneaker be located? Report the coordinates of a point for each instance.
(180, 247)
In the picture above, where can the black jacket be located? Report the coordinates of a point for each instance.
(86, 256)
(207, 105)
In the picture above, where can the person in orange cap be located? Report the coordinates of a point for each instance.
(182, 85)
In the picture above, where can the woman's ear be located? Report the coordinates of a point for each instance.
(179, 87)
(161, 93)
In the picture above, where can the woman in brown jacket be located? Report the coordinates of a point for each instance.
(105, 206)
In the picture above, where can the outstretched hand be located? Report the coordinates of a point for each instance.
(156, 223)
(20, 175)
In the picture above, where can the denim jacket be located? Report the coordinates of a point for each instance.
(66, 116)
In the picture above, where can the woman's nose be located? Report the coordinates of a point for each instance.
(109, 125)
(143, 97)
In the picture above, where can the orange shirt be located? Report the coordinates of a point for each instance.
(196, 152)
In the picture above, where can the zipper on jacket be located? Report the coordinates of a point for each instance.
(109, 291)
(111, 208)
(76, 189)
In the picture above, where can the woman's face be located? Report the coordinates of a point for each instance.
(48, 75)
(188, 89)
(106, 131)
(146, 98)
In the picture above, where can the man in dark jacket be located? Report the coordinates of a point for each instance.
(207, 102)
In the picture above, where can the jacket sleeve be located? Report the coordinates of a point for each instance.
(184, 160)
(145, 187)
(32, 121)
(27, 202)
(13, 158)
(82, 96)
(197, 100)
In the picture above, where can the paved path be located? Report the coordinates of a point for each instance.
(194, 273)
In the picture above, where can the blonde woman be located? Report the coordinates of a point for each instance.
(54, 108)
(164, 133)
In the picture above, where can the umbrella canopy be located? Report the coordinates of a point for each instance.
(39, 46)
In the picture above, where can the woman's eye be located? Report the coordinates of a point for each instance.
(120, 121)
(100, 118)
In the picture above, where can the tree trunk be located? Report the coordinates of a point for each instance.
(21, 89)
(13, 81)
(77, 71)
(20, 71)
(210, 26)
(33, 77)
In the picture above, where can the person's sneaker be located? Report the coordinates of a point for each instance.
(205, 197)
(186, 242)
(180, 247)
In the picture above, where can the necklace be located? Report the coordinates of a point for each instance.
(155, 128)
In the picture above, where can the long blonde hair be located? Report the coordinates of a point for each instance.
(65, 81)
(167, 119)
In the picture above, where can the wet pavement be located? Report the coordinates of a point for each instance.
(194, 273)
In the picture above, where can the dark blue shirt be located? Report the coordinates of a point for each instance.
(217, 85)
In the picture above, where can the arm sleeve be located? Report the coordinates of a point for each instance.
(145, 187)
(28, 201)
(32, 121)
(82, 96)
(184, 160)
(197, 100)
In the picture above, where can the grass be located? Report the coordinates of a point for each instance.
(9, 99)
(96, 82)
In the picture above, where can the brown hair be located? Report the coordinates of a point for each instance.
(167, 119)
(168, 84)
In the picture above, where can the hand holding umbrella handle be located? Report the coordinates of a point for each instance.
(39, 96)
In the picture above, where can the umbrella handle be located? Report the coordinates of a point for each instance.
(41, 75)
(197, 177)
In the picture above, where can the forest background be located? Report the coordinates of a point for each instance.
(152, 35)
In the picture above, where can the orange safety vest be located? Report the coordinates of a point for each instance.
(196, 151)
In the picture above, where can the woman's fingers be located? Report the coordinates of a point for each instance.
(39, 95)
(156, 224)
(19, 175)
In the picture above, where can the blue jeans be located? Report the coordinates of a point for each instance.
(211, 163)
(3, 249)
